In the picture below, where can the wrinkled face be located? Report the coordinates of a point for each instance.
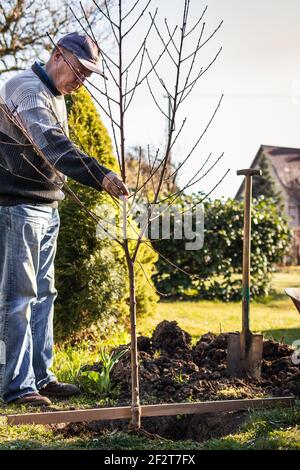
(69, 73)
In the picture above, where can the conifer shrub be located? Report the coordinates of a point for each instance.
(91, 274)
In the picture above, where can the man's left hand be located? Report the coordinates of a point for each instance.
(113, 184)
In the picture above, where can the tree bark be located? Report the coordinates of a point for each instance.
(135, 401)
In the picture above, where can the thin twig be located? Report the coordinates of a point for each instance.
(137, 20)
(197, 22)
(150, 283)
(205, 42)
(131, 10)
(162, 40)
(142, 45)
(199, 139)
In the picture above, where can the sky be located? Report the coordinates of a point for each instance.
(258, 71)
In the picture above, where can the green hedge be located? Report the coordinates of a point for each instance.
(219, 263)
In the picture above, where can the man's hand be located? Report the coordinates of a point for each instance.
(113, 184)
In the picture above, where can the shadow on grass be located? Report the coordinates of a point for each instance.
(283, 335)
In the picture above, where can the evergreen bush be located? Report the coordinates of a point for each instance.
(91, 274)
(219, 263)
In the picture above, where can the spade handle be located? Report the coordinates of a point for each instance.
(249, 172)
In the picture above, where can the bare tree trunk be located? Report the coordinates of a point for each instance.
(135, 403)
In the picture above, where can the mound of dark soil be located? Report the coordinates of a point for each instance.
(172, 370)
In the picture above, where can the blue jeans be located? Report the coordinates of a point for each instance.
(28, 235)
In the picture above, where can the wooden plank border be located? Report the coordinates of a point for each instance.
(164, 409)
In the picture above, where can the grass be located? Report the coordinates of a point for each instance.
(274, 429)
(275, 317)
(267, 430)
(45, 437)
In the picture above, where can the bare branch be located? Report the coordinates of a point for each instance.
(159, 78)
(177, 135)
(137, 21)
(89, 24)
(150, 283)
(205, 42)
(191, 182)
(168, 261)
(210, 192)
(80, 22)
(197, 22)
(136, 83)
(149, 163)
(107, 16)
(201, 136)
(149, 71)
(151, 174)
(112, 124)
(170, 36)
(138, 176)
(155, 100)
(109, 58)
(131, 10)
(143, 43)
(162, 40)
(191, 66)
(172, 124)
(202, 72)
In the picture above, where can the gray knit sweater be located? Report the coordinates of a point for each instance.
(26, 176)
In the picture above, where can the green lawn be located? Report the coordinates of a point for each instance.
(274, 429)
(271, 429)
(275, 317)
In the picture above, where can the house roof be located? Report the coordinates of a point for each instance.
(285, 162)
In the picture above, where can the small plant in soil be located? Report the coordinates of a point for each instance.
(99, 382)
(157, 353)
(180, 378)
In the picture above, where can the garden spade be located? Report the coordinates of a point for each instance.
(245, 349)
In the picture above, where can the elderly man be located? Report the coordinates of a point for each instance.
(32, 110)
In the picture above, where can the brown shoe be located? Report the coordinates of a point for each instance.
(32, 399)
(59, 389)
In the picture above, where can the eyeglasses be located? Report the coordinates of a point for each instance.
(79, 73)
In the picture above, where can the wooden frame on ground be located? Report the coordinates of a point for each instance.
(164, 409)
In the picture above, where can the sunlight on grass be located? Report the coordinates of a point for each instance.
(273, 429)
(287, 276)
(68, 362)
(276, 316)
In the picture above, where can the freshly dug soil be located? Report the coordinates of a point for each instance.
(171, 370)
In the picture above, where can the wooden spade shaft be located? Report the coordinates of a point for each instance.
(246, 255)
(244, 352)
(246, 334)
